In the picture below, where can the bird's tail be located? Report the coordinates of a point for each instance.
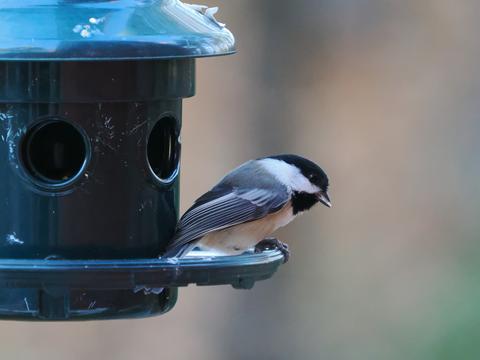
(179, 251)
(174, 253)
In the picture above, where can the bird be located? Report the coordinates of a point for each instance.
(248, 204)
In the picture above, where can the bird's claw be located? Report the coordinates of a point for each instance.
(273, 243)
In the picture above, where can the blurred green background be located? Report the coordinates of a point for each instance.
(385, 96)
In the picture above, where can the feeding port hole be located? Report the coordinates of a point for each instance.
(163, 149)
(54, 151)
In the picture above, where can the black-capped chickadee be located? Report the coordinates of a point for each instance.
(249, 204)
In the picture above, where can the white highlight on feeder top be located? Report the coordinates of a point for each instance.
(87, 30)
(207, 12)
(96, 21)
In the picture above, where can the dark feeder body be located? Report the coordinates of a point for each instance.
(90, 116)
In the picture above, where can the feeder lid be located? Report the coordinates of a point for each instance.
(36, 30)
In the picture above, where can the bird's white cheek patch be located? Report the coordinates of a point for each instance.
(302, 184)
(289, 175)
(282, 171)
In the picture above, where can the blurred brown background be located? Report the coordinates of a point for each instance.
(385, 96)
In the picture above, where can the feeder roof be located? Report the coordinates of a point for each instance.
(36, 30)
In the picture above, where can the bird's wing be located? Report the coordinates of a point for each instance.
(221, 208)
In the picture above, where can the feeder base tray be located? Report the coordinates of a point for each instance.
(102, 289)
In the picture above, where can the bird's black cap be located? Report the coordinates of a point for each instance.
(308, 168)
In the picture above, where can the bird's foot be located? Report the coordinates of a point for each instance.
(273, 243)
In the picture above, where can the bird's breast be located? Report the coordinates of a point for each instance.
(238, 238)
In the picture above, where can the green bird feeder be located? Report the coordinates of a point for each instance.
(90, 116)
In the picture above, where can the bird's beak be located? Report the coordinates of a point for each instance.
(324, 198)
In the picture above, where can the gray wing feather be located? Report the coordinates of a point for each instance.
(247, 193)
(226, 207)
